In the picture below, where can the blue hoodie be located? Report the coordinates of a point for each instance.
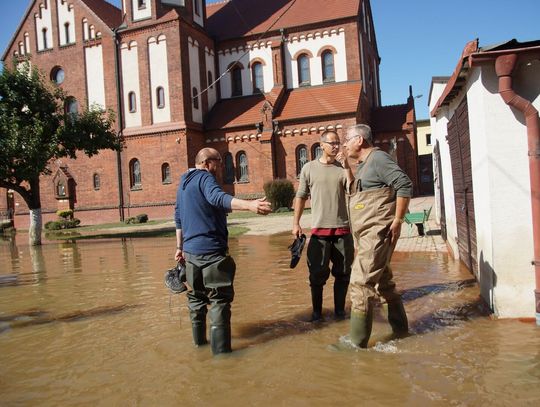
(201, 212)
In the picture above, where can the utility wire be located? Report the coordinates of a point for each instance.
(245, 52)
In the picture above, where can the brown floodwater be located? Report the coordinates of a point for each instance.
(91, 323)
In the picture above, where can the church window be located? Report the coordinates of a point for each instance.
(57, 75)
(165, 173)
(160, 97)
(258, 79)
(195, 98)
(236, 81)
(135, 174)
(66, 30)
(303, 70)
(141, 4)
(60, 189)
(132, 102)
(197, 7)
(327, 59)
(44, 36)
(210, 80)
(316, 151)
(243, 173)
(301, 158)
(97, 182)
(228, 176)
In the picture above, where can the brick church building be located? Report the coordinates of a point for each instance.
(257, 80)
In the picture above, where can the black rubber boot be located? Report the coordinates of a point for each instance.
(361, 323)
(198, 327)
(398, 318)
(340, 295)
(220, 339)
(316, 302)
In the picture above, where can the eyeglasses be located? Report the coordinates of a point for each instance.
(333, 143)
(347, 139)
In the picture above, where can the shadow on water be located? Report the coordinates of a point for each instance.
(39, 317)
(418, 292)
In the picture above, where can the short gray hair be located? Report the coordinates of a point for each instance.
(326, 133)
(362, 130)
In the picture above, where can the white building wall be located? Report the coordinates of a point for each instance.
(140, 14)
(159, 76)
(44, 21)
(260, 51)
(66, 14)
(130, 82)
(195, 78)
(314, 43)
(439, 132)
(95, 79)
(210, 64)
(502, 195)
(198, 18)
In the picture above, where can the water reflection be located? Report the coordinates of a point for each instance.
(91, 322)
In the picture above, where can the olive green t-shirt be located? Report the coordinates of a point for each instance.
(326, 184)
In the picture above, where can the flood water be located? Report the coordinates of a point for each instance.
(91, 323)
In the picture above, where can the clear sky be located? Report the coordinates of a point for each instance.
(417, 39)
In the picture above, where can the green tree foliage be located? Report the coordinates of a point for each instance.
(35, 128)
(280, 192)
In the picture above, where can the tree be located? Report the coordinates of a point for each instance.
(36, 128)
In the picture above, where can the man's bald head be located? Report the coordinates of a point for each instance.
(206, 154)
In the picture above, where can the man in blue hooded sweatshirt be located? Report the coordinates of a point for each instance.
(202, 242)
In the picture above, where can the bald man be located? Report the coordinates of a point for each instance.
(202, 243)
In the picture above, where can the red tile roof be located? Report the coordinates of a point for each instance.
(238, 18)
(109, 14)
(235, 112)
(322, 100)
(390, 118)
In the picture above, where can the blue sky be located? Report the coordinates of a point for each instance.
(417, 39)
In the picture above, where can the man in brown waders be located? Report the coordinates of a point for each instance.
(380, 195)
(325, 181)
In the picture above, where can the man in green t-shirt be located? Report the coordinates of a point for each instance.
(324, 180)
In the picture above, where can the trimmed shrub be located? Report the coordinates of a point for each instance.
(65, 213)
(62, 224)
(280, 192)
(142, 218)
(53, 225)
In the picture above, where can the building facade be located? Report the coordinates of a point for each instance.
(485, 127)
(257, 80)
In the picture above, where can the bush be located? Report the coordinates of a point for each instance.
(53, 225)
(65, 213)
(62, 224)
(280, 192)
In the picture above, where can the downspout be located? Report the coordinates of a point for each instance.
(120, 125)
(504, 66)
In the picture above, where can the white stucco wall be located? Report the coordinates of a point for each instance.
(95, 79)
(130, 82)
(262, 52)
(66, 14)
(314, 43)
(502, 193)
(439, 132)
(194, 78)
(198, 18)
(44, 21)
(139, 14)
(159, 76)
(422, 131)
(210, 66)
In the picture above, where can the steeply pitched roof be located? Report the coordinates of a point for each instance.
(390, 118)
(239, 18)
(316, 101)
(109, 14)
(235, 112)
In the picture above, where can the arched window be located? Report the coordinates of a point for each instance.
(316, 151)
(66, 30)
(132, 102)
(165, 173)
(141, 4)
(195, 98)
(72, 107)
(44, 36)
(160, 97)
(197, 7)
(303, 70)
(97, 181)
(301, 158)
(135, 174)
(61, 188)
(210, 80)
(327, 59)
(242, 165)
(257, 77)
(228, 169)
(236, 81)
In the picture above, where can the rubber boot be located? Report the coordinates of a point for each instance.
(361, 323)
(340, 295)
(220, 339)
(316, 302)
(398, 318)
(198, 327)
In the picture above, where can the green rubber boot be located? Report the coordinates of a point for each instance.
(397, 318)
(361, 324)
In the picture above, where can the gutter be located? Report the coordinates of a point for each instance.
(120, 125)
(505, 63)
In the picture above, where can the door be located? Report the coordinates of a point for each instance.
(460, 155)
